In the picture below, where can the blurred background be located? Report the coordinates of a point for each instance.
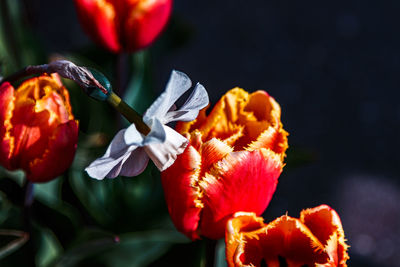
(333, 68)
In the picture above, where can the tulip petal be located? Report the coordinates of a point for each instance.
(144, 22)
(177, 85)
(181, 194)
(59, 155)
(6, 110)
(286, 241)
(325, 224)
(189, 111)
(98, 19)
(243, 181)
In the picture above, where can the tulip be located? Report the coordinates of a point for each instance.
(39, 134)
(232, 163)
(130, 149)
(316, 239)
(123, 25)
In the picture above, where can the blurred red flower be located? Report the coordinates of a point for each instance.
(39, 133)
(232, 163)
(123, 25)
(316, 239)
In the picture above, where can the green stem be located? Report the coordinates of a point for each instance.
(210, 252)
(29, 187)
(129, 113)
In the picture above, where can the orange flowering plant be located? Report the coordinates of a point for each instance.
(39, 134)
(316, 239)
(123, 26)
(232, 163)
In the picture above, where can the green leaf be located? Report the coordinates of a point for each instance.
(49, 193)
(49, 248)
(91, 242)
(142, 248)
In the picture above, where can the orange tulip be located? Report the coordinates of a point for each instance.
(232, 163)
(39, 133)
(123, 25)
(316, 239)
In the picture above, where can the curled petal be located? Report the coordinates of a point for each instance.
(164, 154)
(285, 241)
(177, 85)
(112, 162)
(189, 111)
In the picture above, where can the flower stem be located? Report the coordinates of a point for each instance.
(28, 200)
(129, 113)
(210, 252)
(121, 69)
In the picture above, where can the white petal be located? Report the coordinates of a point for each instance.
(197, 100)
(164, 155)
(177, 85)
(157, 133)
(116, 152)
(135, 164)
(132, 136)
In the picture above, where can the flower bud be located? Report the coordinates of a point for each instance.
(39, 134)
(123, 25)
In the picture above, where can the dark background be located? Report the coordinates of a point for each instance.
(333, 67)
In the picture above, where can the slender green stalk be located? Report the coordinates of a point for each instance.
(129, 113)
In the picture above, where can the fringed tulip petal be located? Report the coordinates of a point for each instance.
(286, 241)
(229, 190)
(242, 145)
(182, 194)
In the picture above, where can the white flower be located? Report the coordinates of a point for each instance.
(129, 151)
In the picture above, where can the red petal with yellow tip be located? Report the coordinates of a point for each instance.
(6, 108)
(242, 145)
(243, 181)
(285, 241)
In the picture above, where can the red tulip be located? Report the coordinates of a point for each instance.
(232, 163)
(316, 239)
(39, 133)
(123, 25)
